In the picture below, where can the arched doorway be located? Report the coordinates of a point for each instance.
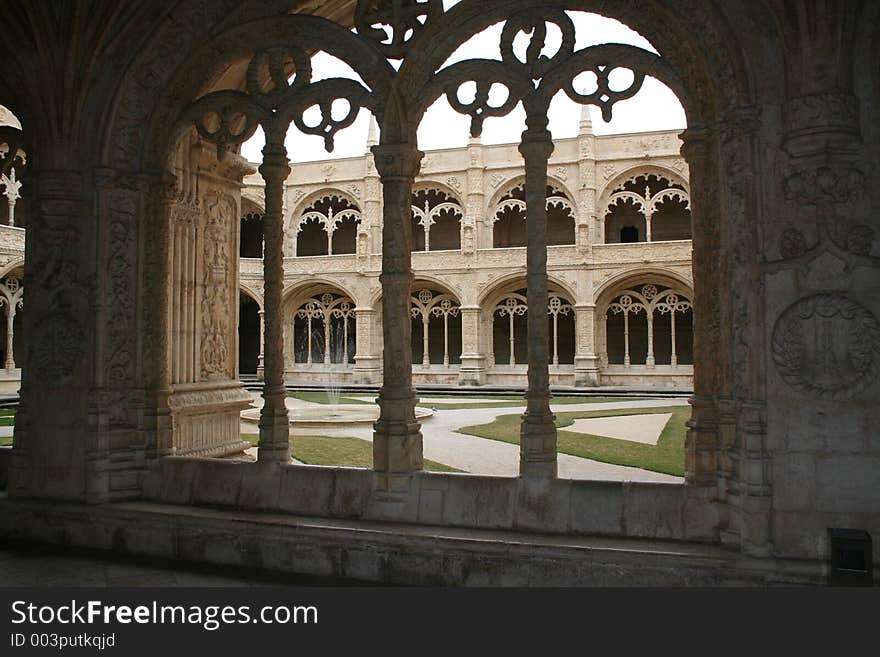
(249, 338)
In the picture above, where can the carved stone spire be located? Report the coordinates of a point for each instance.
(372, 138)
(585, 126)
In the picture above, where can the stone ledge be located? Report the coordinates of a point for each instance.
(389, 553)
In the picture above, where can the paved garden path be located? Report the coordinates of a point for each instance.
(442, 442)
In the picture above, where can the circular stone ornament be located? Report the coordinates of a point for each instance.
(827, 345)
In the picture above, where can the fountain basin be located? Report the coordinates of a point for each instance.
(331, 414)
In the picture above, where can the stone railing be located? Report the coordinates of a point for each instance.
(558, 256)
(12, 239)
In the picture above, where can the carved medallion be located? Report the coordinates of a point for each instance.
(827, 345)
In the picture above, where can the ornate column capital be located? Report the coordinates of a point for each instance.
(397, 160)
(275, 164)
(536, 146)
(696, 144)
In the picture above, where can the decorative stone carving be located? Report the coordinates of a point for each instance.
(215, 315)
(792, 243)
(58, 348)
(827, 345)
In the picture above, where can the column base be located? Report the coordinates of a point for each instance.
(472, 372)
(207, 418)
(538, 446)
(274, 445)
(586, 371)
(367, 370)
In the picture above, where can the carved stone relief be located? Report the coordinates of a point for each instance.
(827, 345)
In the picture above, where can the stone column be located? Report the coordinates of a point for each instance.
(397, 441)
(367, 368)
(701, 459)
(586, 363)
(11, 187)
(473, 228)
(274, 427)
(426, 352)
(538, 432)
(586, 216)
(164, 191)
(673, 360)
(53, 455)
(10, 317)
(472, 369)
(649, 360)
(260, 370)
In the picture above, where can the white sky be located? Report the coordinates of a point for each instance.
(655, 107)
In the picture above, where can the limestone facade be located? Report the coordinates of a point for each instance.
(465, 297)
(782, 150)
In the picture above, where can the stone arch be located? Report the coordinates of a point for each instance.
(658, 331)
(320, 326)
(664, 214)
(13, 339)
(430, 183)
(508, 184)
(495, 286)
(251, 239)
(435, 208)
(704, 55)
(11, 266)
(255, 296)
(312, 217)
(499, 339)
(639, 276)
(308, 199)
(250, 308)
(435, 324)
(251, 203)
(508, 216)
(298, 287)
(631, 172)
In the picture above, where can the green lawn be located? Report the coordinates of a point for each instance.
(345, 452)
(519, 401)
(7, 418)
(667, 456)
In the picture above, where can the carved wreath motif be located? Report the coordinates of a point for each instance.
(827, 345)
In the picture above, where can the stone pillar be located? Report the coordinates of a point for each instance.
(586, 215)
(586, 362)
(372, 196)
(165, 194)
(274, 427)
(50, 444)
(397, 441)
(538, 432)
(11, 187)
(10, 317)
(702, 437)
(206, 396)
(472, 371)
(260, 369)
(367, 366)
(473, 228)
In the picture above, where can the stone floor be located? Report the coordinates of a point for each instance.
(40, 565)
